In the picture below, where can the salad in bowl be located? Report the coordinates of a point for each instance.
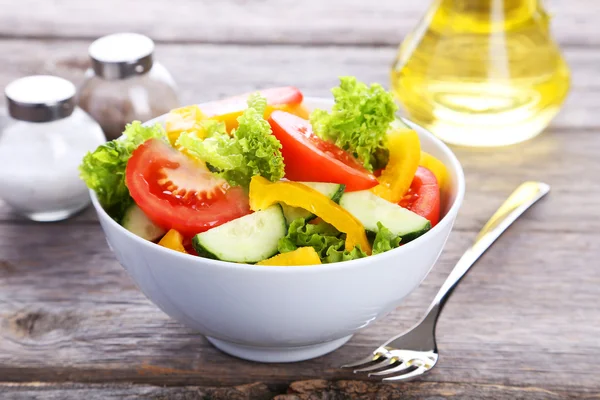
(277, 225)
(258, 179)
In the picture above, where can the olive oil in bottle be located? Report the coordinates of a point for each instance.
(481, 72)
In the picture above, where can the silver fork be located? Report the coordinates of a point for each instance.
(415, 352)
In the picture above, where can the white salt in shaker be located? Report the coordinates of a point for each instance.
(125, 83)
(42, 146)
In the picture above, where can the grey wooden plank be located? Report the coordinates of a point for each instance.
(258, 391)
(268, 21)
(8, 215)
(68, 312)
(208, 72)
(302, 390)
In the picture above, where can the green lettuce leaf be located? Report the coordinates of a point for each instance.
(358, 121)
(250, 150)
(212, 128)
(335, 255)
(327, 241)
(385, 240)
(104, 169)
(218, 149)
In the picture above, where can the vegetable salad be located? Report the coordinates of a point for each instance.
(256, 178)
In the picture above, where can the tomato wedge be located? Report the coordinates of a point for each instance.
(309, 158)
(178, 193)
(286, 98)
(423, 196)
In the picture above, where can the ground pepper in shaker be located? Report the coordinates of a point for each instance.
(125, 83)
(42, 146)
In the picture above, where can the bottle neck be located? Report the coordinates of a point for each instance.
(490, 6)
(504, 12)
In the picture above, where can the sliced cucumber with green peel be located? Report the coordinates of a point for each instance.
(370, 209)
(332, 190)
(248, 239)
(138, 223)
(292, 213)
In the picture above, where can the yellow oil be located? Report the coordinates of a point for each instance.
(481, 72)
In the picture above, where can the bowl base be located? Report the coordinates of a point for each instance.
(277, 354)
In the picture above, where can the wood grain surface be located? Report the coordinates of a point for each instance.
(525, 324)
(311, 22)
(303, 390)
(205, 71)
(70, 313)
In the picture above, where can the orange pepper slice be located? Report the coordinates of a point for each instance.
(186, 119)
(230, 118)
(173, 240)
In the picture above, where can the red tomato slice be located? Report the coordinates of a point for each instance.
(423, 197)
(188, 246)
(309, 158)
(274, 96)
(227, 110)
(178, 193)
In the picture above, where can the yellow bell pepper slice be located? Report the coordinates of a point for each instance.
(436, 166)
(300, 256)
(264, 193)
(173, 240)
(182, 120)
(405, 153)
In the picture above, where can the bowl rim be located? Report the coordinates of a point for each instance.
(397, 252)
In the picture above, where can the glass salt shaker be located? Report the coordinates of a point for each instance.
(125, 83)
(42, 146)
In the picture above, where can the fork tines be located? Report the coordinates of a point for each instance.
(394, 367)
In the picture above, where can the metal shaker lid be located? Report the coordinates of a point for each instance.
(40, 98)
(121, 55)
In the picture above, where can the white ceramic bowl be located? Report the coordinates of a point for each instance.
(285, 314)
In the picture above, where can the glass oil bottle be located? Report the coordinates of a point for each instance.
(481, 72)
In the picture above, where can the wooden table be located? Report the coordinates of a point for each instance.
(524, 324)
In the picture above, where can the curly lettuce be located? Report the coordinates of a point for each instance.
(358, 121)
(329, 243)
(321, 237)
(212, 128)
(103, 170)
(385, 240)
(252, 149)
(218, 149)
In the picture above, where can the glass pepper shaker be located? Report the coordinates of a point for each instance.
(125, 83)
(42, 146)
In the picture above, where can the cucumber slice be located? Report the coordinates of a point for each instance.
(138, 223)
(292, 213)
(369, 209)
(332, 190)
(248, 239)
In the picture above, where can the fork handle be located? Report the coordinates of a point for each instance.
(526, 195)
